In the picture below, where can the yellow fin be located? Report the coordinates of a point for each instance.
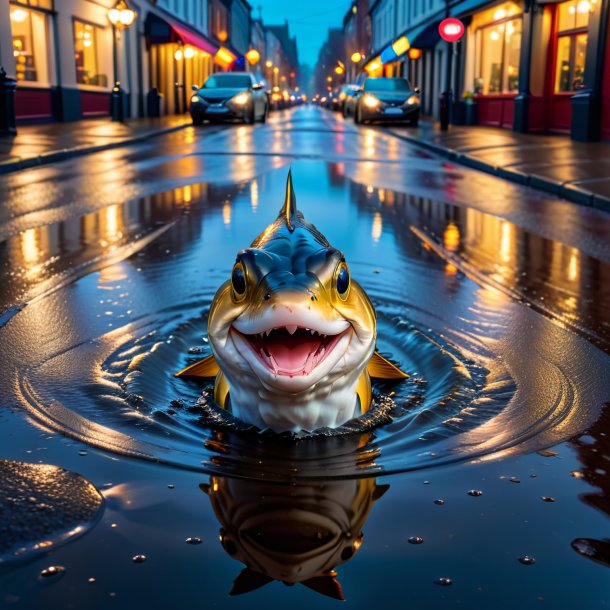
(363, 389)
(380, 368)
(208, 367)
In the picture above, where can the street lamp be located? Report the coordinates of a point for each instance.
(121, 16)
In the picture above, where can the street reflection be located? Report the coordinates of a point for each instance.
(39, 257)
(564, 282)
(295, 534)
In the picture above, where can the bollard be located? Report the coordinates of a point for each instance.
(117, 103)
(444, 103)
(8, 123)
(153, 103)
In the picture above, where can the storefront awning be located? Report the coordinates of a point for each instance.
(422, 37)
(160, 30)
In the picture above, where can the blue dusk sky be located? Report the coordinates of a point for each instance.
(309, 21)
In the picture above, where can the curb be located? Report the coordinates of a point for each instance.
(570, 192)
(55, 156)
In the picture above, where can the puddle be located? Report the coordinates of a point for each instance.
(499, 363)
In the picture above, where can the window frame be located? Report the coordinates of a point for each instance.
(479, 47)
(95, 26)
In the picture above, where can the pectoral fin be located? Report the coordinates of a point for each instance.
(208, 367)
(380, 368)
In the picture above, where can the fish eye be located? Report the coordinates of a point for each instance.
(238, 281)
(342, 280)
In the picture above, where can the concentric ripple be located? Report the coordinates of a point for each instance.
(488, 374)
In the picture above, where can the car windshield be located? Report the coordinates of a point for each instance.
(386, 84)
(231, 81)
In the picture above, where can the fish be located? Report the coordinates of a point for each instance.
(292, 333)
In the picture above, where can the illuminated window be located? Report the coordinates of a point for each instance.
(572, 24)
(29, 29)
(86, 38)
(499, 45)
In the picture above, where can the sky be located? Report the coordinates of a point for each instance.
(309, 21)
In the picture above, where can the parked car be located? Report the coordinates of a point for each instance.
(346, 93)
(229, 95)
(387, 99)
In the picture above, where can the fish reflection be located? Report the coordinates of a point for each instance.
(292, 534)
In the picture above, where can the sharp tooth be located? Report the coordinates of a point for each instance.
(313, 332)
(268, 332)
(307, 329)
(292, 328)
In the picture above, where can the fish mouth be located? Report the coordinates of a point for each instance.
(291, 350)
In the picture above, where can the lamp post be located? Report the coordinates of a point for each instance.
(121, 16)
(450, 30)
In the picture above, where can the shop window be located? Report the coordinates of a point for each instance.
(42, 4)
(29, 28)
(499, 47)
(572, 24)
(86, 38)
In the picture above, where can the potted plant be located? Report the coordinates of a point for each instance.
(470, 108)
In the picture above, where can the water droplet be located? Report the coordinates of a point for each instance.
(527, 560)
(416, 539)
(475, 492)
(82, 453)
(443, 581)
(547, 499)
(53, 571)
(138, 558)
(91, 580)
(515, 480)
(170, 486)
(193, 540)
(426, 482)
(439, 502)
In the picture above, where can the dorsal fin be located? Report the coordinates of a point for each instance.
(289, 209)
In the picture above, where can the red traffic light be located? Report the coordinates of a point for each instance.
(451, 29)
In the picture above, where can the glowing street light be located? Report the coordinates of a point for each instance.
(253, 57)
(121, 16)
(269, 64)
(414, 53)
(356, 57)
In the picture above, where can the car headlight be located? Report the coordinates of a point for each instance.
(414, 99)
(241, 99)
(370, 101)
(196, 99)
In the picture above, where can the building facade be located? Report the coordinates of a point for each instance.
(527, 65)
(66, 56)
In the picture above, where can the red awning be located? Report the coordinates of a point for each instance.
(160, 30)
(192, 38)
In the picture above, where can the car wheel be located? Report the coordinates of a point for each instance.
(197, 120)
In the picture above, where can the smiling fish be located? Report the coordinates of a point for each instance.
(292, 334)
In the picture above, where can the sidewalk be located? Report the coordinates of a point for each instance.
(577, 171)
(50, 142)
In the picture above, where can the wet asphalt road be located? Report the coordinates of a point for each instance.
(59, 223)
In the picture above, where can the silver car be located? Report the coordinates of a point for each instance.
(228, 96)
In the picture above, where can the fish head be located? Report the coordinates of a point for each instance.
(291, 318)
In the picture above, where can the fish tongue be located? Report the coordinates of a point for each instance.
(291, 355)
